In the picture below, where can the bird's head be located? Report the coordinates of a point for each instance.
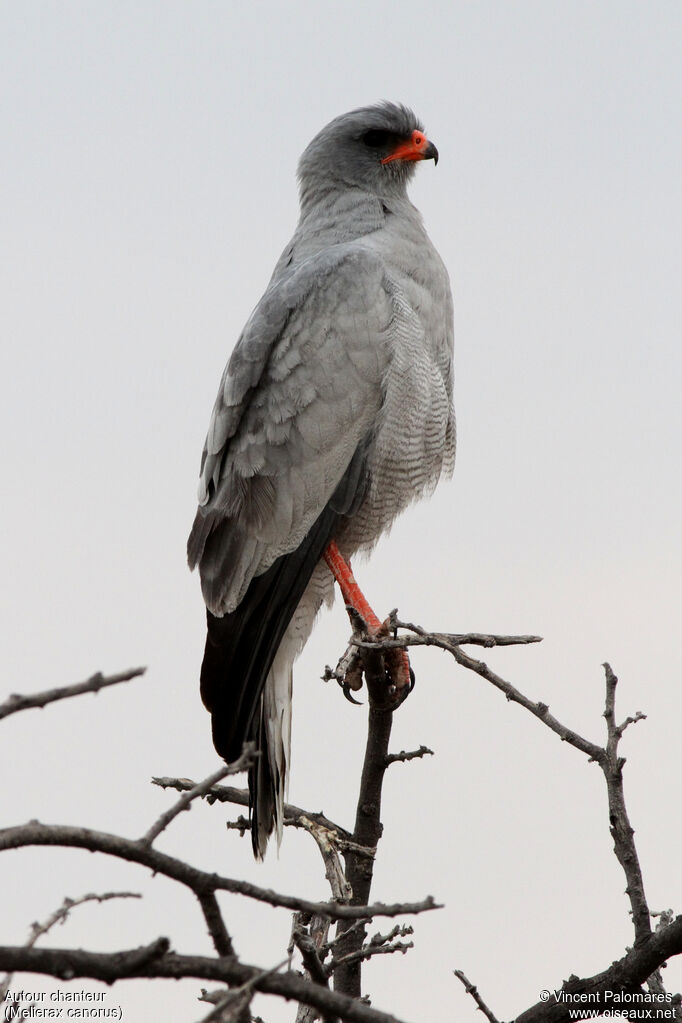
(374, 148)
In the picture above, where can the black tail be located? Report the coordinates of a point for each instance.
(241, 646)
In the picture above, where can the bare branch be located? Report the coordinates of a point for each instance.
(222, 941)
(227, 1008)
(358, 925)
(451, 642)
(402, 757)
(472, 990)
(309, 954)
(59, 917)
(421, 637)
(17, 702)
(380, 944)
(240, 797)
(200, 789)
(607, 757)
(333, 869)
(611, 766)
(65, 964)
(540, 710)
(311, 938)
(399, 931)
(232, 1006)
(35, 833)
(368, 826)
(621, 829)
(309, 934)
(630, 721)
(626, 975)
(155, 961)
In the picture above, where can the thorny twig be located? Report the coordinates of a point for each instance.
(621, 829)
(606, 756)
(232, 1005)
(472, 990)
(156, 960)
(240, 797)
(17, 702)
(403, 757)
(200, 789)
(639, 966)
(380, 944)
(34, 834)
(60, 916)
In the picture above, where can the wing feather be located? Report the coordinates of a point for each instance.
(300, 393)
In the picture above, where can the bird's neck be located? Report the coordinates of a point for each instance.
(331, 213)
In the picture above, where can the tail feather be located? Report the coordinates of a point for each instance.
(269, 782)
(241, 646)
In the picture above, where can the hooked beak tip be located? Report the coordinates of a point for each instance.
(431, 153)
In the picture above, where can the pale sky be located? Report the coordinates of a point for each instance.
(147, 173)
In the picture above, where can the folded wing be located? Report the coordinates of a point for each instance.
(285, 461)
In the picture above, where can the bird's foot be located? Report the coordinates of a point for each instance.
(347, 673)
(399, 674)
(399, 677)
(398, 669)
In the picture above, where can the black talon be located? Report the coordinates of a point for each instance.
(347, 693)
(413, 681)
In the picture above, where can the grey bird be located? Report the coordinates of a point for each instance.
(334, 413)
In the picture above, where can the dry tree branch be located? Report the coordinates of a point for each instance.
(330, 945)
(445, 642)
(637, 967)
(220, 936)
(60, 916)
(314, 970)
(310, 934)
(232, 1006)
(368, 826)
(403, 757)
(200, 789)
(626, 975)
(611, 765)
(626, 972)
(380, 944)
(240, 797)
(328, 847)
(227, 1008)
(621, 829)
(310, 956)
(157, 961)
(199, 881)
(16, 702)
(472, 990)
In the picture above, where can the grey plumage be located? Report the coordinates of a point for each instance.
(333, 414)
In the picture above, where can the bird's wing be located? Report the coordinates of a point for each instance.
(299, 396)
(284, 461)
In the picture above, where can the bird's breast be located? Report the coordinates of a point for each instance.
(414, 439)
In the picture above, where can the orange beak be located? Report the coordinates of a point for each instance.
(418, 148)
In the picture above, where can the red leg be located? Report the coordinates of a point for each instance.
(353, 595)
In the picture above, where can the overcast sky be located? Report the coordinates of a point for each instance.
(147, 182)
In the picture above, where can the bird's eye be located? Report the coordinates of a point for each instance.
(375, 138)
